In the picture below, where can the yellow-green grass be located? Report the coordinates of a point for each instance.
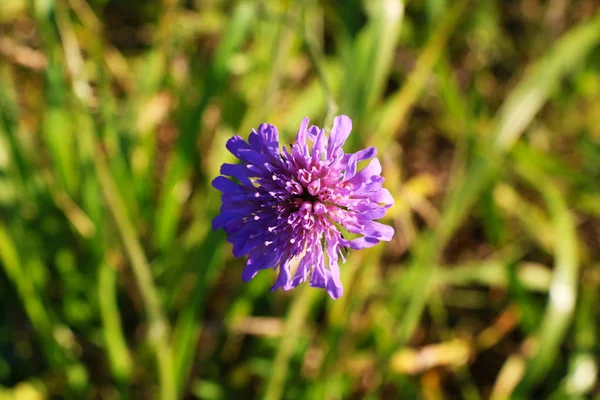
(113, 121)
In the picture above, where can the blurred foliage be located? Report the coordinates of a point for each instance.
(113, 120)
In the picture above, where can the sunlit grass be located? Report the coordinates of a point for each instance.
(113, 120)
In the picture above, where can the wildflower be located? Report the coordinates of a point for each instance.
(290, 204)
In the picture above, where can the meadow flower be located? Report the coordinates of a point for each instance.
(286, 205)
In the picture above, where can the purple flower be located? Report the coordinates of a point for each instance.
(284, 206)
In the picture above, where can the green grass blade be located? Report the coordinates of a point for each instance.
(187, 328)
(482, 172)
(396, 110)
(29, 295)
(118, 353)
(563, 287)
(182, 162)
(532, 92)
(302, 303)
(159, 329)
(385, 28)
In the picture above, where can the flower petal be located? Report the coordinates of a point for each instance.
(239, 172)
(301, 273)
(225, 185)
(302, 135)
(319, 146)
(284, 275)
(373, 169)
(270, 211)
(342, 126)
(362, 243)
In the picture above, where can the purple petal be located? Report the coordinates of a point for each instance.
(225, 185)
(301, 136)
(301, 273)
(312, 132)
(269, 209)
(236, 144)
(225, 218)
(284, 275)
(319, 146)
(243, 247)
(334, 285)
(319, 275)
(374, 168)
(270, 135)
(239, 172)
(257, 261)
(383, 196)
(262, 260)
(267, 139)
(370, 211)
(249, 272)
(378, 230)
(351, 167)
(342, 126)
(366, 154)
(334, 289)
(362, 243)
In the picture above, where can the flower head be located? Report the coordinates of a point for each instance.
(289, 205)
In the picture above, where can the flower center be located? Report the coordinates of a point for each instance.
(306, 196)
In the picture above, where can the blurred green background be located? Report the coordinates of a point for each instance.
(113, 120)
